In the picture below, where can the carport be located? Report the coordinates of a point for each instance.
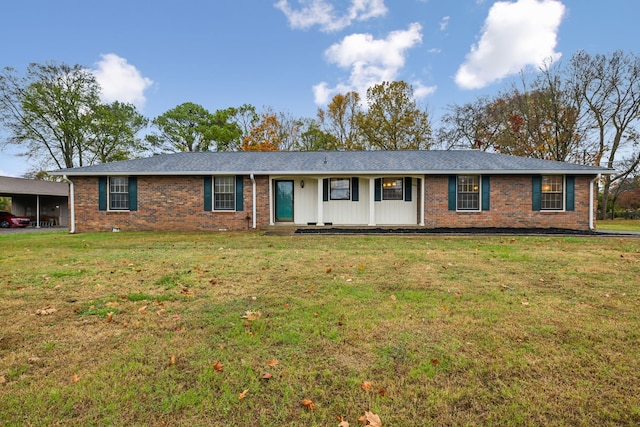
(44, 202)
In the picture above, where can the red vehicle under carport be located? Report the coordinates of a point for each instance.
(7, 219)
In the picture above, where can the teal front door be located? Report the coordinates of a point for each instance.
(284, 201)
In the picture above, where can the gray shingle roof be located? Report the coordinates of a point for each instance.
(333, 162)
(12, 186)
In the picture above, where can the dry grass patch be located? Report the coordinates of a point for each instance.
(181, 329)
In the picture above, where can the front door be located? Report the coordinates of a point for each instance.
(284, 201)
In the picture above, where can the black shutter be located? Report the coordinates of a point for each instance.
(208, 193)
(102, 193)
(239, 193)
(133, 193)
(325, 190)
(377, 193)
(536, 192)
(355, 189)
(486, 191)
(571, 196)
(452, 192)
(407, 188)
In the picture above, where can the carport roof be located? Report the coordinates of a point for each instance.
(334, 162)
(19, 186)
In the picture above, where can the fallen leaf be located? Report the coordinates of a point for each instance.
(382, 392)
(112, 304)
(272, 362)
(75, 378)
(525, 302)
(393, 298)
(143, 309)
(372, 419)
(366, 386)
(46, 311)
(3, 379)
(252, 315)
(243, 394)
(217, 366)
(309, 404)
(343, 422)
(328, 270)
(109, 316)
(267, 376)
(435, 362)
(172, 361)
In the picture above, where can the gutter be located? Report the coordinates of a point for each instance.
(591, 204)
(72, 226)
(253, 184)
(342, 172)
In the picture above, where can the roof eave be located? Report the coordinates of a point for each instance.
(345, 172)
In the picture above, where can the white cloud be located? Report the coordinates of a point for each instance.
(444, 23)
(421, 91)
(323, 14)
(371, 61)
(121, 81)
(515, 35)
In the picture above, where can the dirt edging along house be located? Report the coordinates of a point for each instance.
(213, 191)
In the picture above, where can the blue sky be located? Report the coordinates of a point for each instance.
(294, 55)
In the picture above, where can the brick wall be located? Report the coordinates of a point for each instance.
(168, 203)
(510, 206)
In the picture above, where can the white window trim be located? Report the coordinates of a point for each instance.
(563, 197)
(458, 209)
(109, 208)
(213, 193)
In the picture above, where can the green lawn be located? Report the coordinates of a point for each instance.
(619, 224)
(238, 329)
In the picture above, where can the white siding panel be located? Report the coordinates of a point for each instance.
(398, 212)
(305, 201)
(348, 212)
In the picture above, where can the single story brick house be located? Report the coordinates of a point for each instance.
(211, 191)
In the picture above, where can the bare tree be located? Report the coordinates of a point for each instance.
(610, 87)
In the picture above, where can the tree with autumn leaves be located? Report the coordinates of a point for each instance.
(390, 120)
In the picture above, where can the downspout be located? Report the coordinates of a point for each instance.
(253, 195)
(72, 214)
(591, 204)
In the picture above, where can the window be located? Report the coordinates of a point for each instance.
(118, 193)
(468, 193)
(392, 189)
(224, 193)
(340, 189)
(552, 193)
